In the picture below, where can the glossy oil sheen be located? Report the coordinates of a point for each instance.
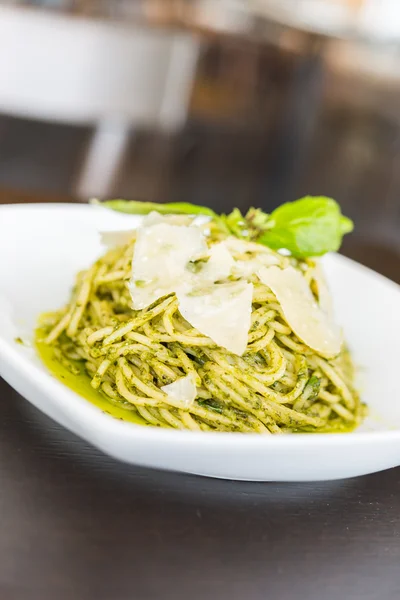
(80, 384)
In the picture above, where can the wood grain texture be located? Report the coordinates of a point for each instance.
(77, 524)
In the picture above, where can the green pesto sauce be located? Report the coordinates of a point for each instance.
(333, 428)
(80, 383)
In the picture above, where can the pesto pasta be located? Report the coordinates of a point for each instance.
(133, 356)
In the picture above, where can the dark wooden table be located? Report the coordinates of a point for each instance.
(75, 524)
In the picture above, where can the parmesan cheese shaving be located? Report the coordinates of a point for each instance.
(160, 257)
(221, 312)
(111, 239)
(247, 268)
(182, 392)
(219, 265)
(304, 316)
(155, 218)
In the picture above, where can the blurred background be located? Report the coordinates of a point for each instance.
(218, 102)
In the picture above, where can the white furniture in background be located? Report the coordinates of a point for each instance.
(113, 76)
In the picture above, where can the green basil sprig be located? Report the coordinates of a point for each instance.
(311, 226)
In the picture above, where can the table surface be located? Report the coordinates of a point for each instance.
(77, 524)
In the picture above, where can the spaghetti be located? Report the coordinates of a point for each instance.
(278, 385)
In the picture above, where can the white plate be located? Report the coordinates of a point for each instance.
(42, 247)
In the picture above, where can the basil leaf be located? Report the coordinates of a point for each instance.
(135, 207)
(310, 226)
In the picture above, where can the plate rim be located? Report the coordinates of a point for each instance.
(82, 410)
